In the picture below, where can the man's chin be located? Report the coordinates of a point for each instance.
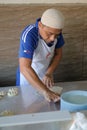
(48, 42)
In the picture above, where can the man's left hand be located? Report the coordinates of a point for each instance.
(48, 80)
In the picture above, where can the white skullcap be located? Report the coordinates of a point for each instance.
(53, 18)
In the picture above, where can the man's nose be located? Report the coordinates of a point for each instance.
(52, 38)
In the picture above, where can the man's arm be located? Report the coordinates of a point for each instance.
(31, 76)
(55, 61)
(48, 79)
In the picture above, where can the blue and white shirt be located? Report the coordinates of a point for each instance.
(32, 46)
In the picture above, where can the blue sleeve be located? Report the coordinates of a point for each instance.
(28, 43)
(60, 41)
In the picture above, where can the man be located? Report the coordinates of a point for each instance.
(40, 53)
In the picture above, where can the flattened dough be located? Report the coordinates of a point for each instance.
(56, 89)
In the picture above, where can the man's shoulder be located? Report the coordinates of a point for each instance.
(30, 28)
(29, 32)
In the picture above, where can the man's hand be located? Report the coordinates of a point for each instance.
(51, 96)
(48, 80)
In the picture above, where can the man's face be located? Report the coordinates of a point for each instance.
(48, 34)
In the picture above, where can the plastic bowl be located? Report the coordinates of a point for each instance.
(74, 100)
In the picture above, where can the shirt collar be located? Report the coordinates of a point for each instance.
(36, 24)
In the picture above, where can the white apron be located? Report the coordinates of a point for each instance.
(42, 57)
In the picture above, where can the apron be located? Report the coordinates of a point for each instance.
(42, 57)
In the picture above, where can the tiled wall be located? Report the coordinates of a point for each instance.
(13, 18)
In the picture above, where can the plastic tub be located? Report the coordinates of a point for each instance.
(74, 100)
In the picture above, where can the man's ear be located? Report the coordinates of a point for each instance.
(40, 25)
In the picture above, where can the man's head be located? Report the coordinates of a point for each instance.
(51, 24)
(53, 18)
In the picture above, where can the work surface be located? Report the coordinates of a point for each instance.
(21, 107)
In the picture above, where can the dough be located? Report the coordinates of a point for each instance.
(56, 89)
(6, 113)
(2, 94)
(12, 92)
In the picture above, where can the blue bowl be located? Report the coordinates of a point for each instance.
(74, 100)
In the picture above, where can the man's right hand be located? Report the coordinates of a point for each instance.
(51, 96)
